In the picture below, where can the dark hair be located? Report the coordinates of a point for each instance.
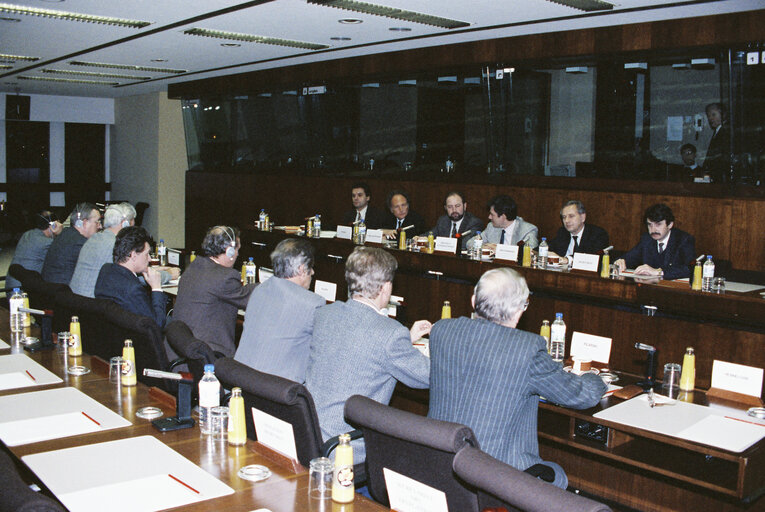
(659, 212)
(397, 193)
(289, 255)
(504, 205)
(44, 218)
(82, 212)
(717, 106)
(218, 239)
(364, 185)
(580, 209)
(455, 193)
(687, 146)
(129, 239)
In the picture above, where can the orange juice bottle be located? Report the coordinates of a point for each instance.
(342, 479)
(237, 430)
(544, 331)
(128, 364)
(446, 310)
(688, 375)
(697, 275)
(526, 262)
(75, 338)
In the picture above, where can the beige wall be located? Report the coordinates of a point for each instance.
(149, 162)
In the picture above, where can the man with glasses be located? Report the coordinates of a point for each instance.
(61, 259)
(488, 375)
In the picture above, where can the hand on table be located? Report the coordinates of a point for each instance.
(419, 329)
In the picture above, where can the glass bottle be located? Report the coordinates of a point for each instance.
(708, 274)
(402, 240)
(193, 256)
(128, 364)
(75, 337)
(688, 375)
(342, 478)
(697, 275)
(162, 252)
(558, 339)
(446, 310)
(544, 331)
(250, 272)
(542, 252)
(209, 397)
(25, 304)
(237, 430)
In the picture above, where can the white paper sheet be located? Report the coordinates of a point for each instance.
(14, 364)
(408, 495)
(738, 378)
(15, 380)
(374, 236)
(726, 433)
(446, 244)
(274, 433)
(344, 232)
(3, 344)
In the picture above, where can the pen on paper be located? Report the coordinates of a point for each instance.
(182, 483)
(30, 375)
(745, 421)
(90, 418)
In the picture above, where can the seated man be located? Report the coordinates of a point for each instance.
(372, 217)
(357, 350)
(401, 217)
(488, 375)
(575, 236)
(505, 226)
(457, 218)
(119, 281)
(691, 170)
(210, 292)
(279, 321)
(65, 249)
(663, 251)
(34, 244)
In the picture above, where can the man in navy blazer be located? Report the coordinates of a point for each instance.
(362, 210)
(664, 251)
(488, 375)
(401, 216)
(575, 236)
(119, 281)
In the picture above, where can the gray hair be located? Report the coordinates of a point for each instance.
(289, 255)
(81, 212)
(113, 215)
(367, 270)
(579, 206)
(129, 209)
(500, 294)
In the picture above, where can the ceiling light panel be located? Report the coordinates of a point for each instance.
(106, 65)
(67, 80)
(391, 12)
(252, 38)
(72, 16)
(7, 57)
(585, 5)
(94, 74)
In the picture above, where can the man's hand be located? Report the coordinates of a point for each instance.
(173, 271)
(621, 264)
(647, 270)
(419, 329)
(389, 233)
(492, 247)
(153, 279)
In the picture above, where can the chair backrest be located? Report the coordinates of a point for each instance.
(417, 447)
(196, 352)
(501, 485)
(285, 399)
(89, 311)
(15, 494)
(41, 293)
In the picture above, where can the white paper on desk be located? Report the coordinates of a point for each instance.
(15, 380)
(738, 378)
(173, 257)
(326, 289)
(668, 420)
(726, 433)
(506, 252)
(732, 286)
(589, 346)
(327, 234)
(274, 433)
(20, 363)
(264, 274)
(374, 236)
(584, 261)
(15, 433)
(344, 232)
(408, 495)
(446, 244)
(3, 344)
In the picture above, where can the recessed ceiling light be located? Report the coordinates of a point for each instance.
(392, 12)
(5, 66)
(585, 5)
(252, 38)
(6, 57)
(400, 29)
(159, 60)
(10, 83)
(12, 20)
(107, 65)
(350, 21)
(67, 80)
(340, 38)
(231, 45)
(94, 74)
(72, 16)
(52, 1)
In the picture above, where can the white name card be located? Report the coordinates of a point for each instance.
(584, 261)
(374, 236)
(446, 244)
(506, 252)
(326, 289)
(589, 346)
(408, 495)
(264, 274)
(274, 433)
(738, 378)
(344, 232)
(173, 257)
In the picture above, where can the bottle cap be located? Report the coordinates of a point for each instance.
(709, 256)
(209, 368)
(128, 343)
(477, 233)
(162, 240)
(446, 303)
(544, 239)
(16, 290)
(558, 315)
(75, 319)
(250, 258)
(236, 391)
(344, 438)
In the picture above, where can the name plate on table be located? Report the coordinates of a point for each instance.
(264, 274)
(584, 261)
(446, 244)
(274, 433)
(174, 257)
(737, 378)
(408, 495)
(506, 252)
(326, 289)
(589, 346)
(374, 236)
(344, 232)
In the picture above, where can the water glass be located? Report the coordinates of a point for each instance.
(671, 382)
(320, 478)
(63, 341)
(115, 370)
(219, 423)
(718, 285)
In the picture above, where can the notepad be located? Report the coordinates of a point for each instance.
(15, 380)
(20, 371)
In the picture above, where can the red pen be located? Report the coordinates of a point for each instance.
(30, 375)
(91, 419)
(745, 421)
(182, 483)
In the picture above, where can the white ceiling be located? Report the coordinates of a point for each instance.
(57, 42)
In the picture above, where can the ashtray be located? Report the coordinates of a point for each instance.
(149, 413)
(254, 473)
(757, 412)
(77, 370)
(609, 378)
(570, 369)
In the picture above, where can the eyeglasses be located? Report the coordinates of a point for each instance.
(526, 306)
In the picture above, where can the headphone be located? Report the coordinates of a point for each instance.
(231, 249)
(47, 222)
(78, 223)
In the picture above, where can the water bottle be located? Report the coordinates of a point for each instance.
(15, 302)
(209, 397)
(477, 247)
(262, 219)
(542, 259)
(250, 271)
(362, 233)
(558, 338)
(317, 226)
(162, 252)
(708, 273)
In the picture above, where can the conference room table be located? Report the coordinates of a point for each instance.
(283, 491)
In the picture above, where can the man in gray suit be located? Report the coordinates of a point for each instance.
(488, 375)
(506, 227)
(357, 350)
(210, 292)
(279, 321)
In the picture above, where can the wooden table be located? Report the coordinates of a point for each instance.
(283, 491)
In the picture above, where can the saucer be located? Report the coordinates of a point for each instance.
(570, 369)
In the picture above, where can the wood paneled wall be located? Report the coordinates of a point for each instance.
(728, 228)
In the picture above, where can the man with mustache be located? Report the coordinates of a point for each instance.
(664, 251)
(457, 219)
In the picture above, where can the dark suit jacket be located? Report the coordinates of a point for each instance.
(120, 285)
(717, 159)
(469, 222)
(62, 256)
(209, 297)
(593, 239)
(412, 218)
(675, 259)
(374, 219)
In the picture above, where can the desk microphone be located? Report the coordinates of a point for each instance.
(649, 382)
(182, 418)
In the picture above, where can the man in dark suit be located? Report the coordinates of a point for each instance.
(575, 236)
(717, 159)
(401, 216)
(488, 375)
(210, 292)
(457, 219)
(372, 217)
(119, 281)
(664, 251)
(62, 255)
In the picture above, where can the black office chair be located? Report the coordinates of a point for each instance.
(15, 494)
(89, 312)
(418, 447)
(41, 293)
(194, 353)
(501, 485)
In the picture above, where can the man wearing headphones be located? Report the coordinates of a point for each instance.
(210, 292)
(34, 244)
(62, 255)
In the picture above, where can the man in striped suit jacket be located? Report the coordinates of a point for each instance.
(488, 375)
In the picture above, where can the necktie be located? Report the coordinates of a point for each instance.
(502, 238)
(398, 225)
(454, 229)
(661, 247)
(576, 242)
(358, 216)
